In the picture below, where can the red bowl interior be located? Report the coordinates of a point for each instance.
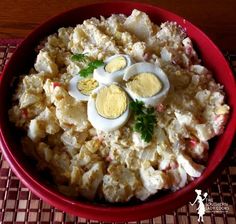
(23, 59)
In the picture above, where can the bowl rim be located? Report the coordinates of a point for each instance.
(112, 213)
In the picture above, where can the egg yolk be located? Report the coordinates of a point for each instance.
(87, 85)
(111, 102)
(145, 84)
(116, 64)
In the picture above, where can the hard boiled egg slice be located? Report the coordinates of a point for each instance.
(113, 70)
(146, 82)
(80, 88)
(108, 108)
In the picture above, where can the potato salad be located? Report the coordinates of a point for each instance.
(118, 108)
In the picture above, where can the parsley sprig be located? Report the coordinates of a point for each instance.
(90, 68)
(144, 120)
(85, 72)
(79, 57)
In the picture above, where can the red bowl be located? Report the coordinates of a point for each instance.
(23, 59)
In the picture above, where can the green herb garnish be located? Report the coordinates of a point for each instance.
(90, 68)
(137, 106)
(79, 57)
(144, 120)
(96, 63)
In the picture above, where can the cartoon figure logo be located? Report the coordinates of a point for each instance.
(201, 207)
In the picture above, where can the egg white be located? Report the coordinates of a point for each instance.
(101, 123)
(151, 68)
(106, 78)
(74, 91)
